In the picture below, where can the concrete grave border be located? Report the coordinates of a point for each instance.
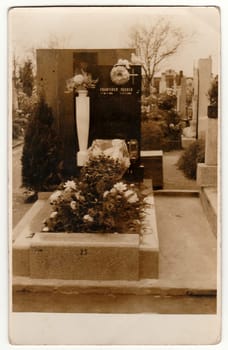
(84, 256)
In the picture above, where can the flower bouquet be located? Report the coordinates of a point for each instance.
(80, 82)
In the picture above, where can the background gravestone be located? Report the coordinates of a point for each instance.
(113, 114)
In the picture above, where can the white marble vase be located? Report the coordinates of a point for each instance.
(82, 125)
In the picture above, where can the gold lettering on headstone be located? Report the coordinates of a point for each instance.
(108, 90)
(112, 90)
(126, 91)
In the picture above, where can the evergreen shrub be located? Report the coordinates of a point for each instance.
(42, 151)
(151, 135)
(191, 156)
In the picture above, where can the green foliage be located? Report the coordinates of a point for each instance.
(213, 92)
(167, 102)
(192, 155)
(27, 104)
(172, 126)
(41, 158)
(160, 129)
(170, 145)
(151, 135)
(17, 131)
(20, 121)
(149, 109)
(100, 174)
(97, 201)
(26, 97)
(27, 78)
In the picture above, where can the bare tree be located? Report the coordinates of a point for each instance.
(154, 44)
(58, 41)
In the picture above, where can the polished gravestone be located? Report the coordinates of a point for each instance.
(116, 114)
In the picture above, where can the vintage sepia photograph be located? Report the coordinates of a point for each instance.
(114, 125)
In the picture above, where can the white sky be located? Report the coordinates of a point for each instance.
(109, 28)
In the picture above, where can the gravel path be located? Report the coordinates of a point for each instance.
(173, 177)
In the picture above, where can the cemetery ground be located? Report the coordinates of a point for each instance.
(187, 258)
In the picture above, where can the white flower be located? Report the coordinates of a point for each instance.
(87, 218)
(105, 194)
(78, 79)
(78, 195)
(73, 205)
(120, 186)
(125, 63)
(53, 214)
(128, 193)
(131, 196)
(133, 199)
(136, 222)
(148, 200)
(70, 185)
(55, 196)
(45, 229)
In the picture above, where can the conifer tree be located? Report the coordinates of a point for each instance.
(42, 151)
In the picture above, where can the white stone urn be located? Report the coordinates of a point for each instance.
(82, 125)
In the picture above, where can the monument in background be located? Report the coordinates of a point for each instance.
(204, 82)
(115, 111)
(202, 74)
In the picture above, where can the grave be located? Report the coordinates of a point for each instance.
(84, 256)
(113, 112)
(207, 172)
(204, 79)
(202, 73)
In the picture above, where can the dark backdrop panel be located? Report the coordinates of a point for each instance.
(115, 111)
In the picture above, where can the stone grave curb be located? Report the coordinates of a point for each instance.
(207, 175)
(184, 193)
(210, 208)
(33, 251)
(142, 287)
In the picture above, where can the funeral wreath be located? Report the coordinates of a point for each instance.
(119, 73)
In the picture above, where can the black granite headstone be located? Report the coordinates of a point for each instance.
(115, 111)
